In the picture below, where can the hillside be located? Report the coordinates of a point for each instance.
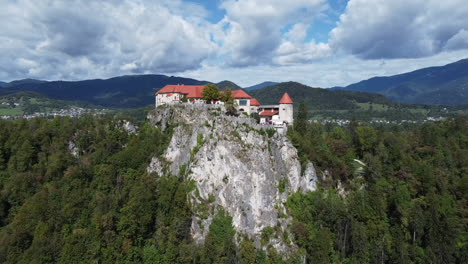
(260, 86)
(317, 98)
(22, 81)
(444, 85)
(227, 84)
(341, 104)
(124, 91)
(26, 103)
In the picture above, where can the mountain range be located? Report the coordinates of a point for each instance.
(443, 85)
(317, 98)
(227, 84)
(125, 91)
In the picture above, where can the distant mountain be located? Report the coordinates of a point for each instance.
(317, 98)
(341, 104)
(260, 86)
(227, 84)
(124, 91)
(23, 81)
(444, 85)
(2, 84)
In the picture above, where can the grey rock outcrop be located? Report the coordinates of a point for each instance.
(236, 164)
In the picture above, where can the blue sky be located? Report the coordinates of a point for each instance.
(316, 42)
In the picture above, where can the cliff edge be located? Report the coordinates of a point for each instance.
(235, 164)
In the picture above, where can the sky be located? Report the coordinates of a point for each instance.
(316, 42)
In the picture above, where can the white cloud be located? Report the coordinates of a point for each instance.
(257, 40)
(297, 33)
(253, 33)
(293, 49)
(334, 71)
(374, 29)
(87, 39)
(458, 41)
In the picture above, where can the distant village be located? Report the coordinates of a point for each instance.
(345, 122)
(70, 112)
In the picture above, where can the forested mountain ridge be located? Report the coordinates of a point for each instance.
(443, 85)
(227, 84)
(317, 98)
(260, 86)
(79, 190)
(339, 104)
(123, 91)
(20, 82)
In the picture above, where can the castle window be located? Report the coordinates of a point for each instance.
(242, 102)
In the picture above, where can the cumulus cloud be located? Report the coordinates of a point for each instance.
(76, 39)
(253, 32)
(294, 49)
(458, 41)
(79, 39)
(336, 71)
(375, 29)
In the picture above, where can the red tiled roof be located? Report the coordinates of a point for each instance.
(192, 91)
(269, 113)
(254, 102)
(286, 99)
(240, 94)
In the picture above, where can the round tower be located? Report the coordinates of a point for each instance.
(286, 109)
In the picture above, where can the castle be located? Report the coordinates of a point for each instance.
(280, 115)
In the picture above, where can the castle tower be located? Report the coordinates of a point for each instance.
(286, 109)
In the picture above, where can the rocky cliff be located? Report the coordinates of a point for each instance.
(235, 164)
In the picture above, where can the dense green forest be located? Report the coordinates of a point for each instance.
(404, 201)
(389, 194)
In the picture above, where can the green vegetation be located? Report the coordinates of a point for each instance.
(219, 244)
(229, 101)
(403, 193)
(128, 91)
(100, 206)
(29, 102)
(210, 92)
(282, 185)
(224, 85)
(401, 197)
(11, 111)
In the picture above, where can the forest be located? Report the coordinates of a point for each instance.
(77, 191)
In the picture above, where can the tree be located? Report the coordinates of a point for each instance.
(229, 101)
(210, 92)
(219, 243)
(301, 121)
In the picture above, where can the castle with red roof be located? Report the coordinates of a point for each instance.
(279, 115)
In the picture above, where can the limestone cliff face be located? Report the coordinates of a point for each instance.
(236, 164)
